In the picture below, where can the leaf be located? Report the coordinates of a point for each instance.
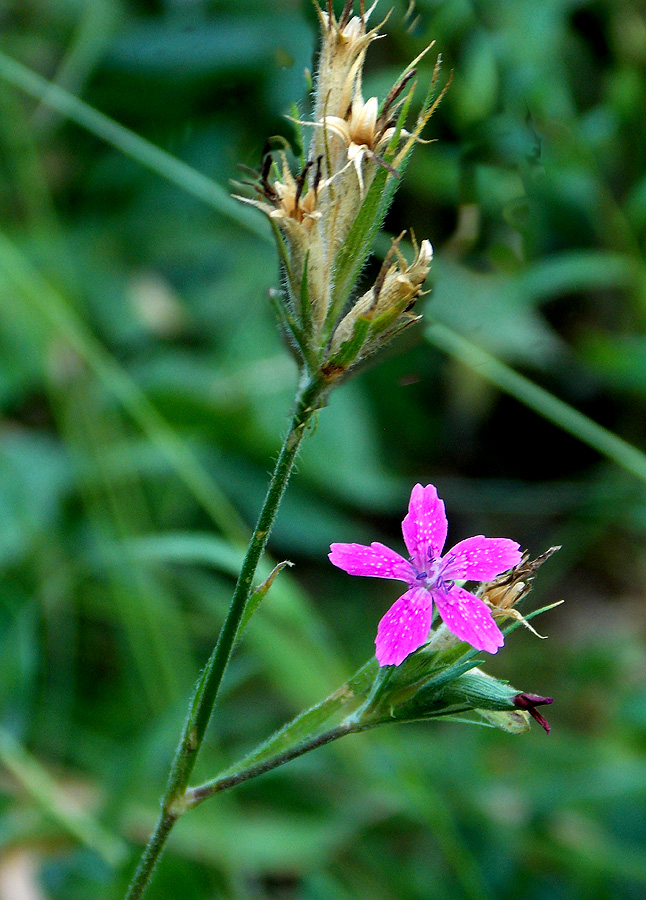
(309, 723)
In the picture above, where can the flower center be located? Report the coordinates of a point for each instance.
(431, 578)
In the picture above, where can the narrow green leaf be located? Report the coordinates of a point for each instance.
(259, 594)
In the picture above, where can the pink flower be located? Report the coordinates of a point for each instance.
(431, 577)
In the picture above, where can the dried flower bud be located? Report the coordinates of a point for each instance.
(508, 589)
(356, 141)
(529, 702)
(387, 305)
(501, 595)
(293, 205)
(344, 45)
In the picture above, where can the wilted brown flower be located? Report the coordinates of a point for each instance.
(292, 204)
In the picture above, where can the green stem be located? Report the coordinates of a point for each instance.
(308, 401)
(352, 725)
(201, 792)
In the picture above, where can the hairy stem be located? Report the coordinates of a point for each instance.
(150, 856)
(308, 401)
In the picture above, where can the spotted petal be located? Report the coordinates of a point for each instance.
(468, 618)
(480, 558)
(376, 560)
(405, 627)
(425, 526)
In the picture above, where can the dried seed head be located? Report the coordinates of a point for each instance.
(292, 201)
(356, 142)
(506, 590)
(322, 225)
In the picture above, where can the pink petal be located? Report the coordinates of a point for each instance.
(425, 526)
(480, 558)
(469, 619)
(405, 627)
(376, 560)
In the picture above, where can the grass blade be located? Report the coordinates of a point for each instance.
(537, 398)
(131, 144)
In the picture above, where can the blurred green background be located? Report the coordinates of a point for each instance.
(144, 393)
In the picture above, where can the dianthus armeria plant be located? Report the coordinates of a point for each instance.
(326, 211)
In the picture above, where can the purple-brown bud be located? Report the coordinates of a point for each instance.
(529, 702)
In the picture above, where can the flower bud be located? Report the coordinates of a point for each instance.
(435, 685)
(471, 691)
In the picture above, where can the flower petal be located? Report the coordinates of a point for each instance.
(376, 560)
(468, 618)
(405, 627)
(480, 558)
(425, 526)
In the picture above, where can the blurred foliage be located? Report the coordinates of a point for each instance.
(144, 390)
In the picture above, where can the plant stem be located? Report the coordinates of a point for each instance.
(308, 401)
(201, 792)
